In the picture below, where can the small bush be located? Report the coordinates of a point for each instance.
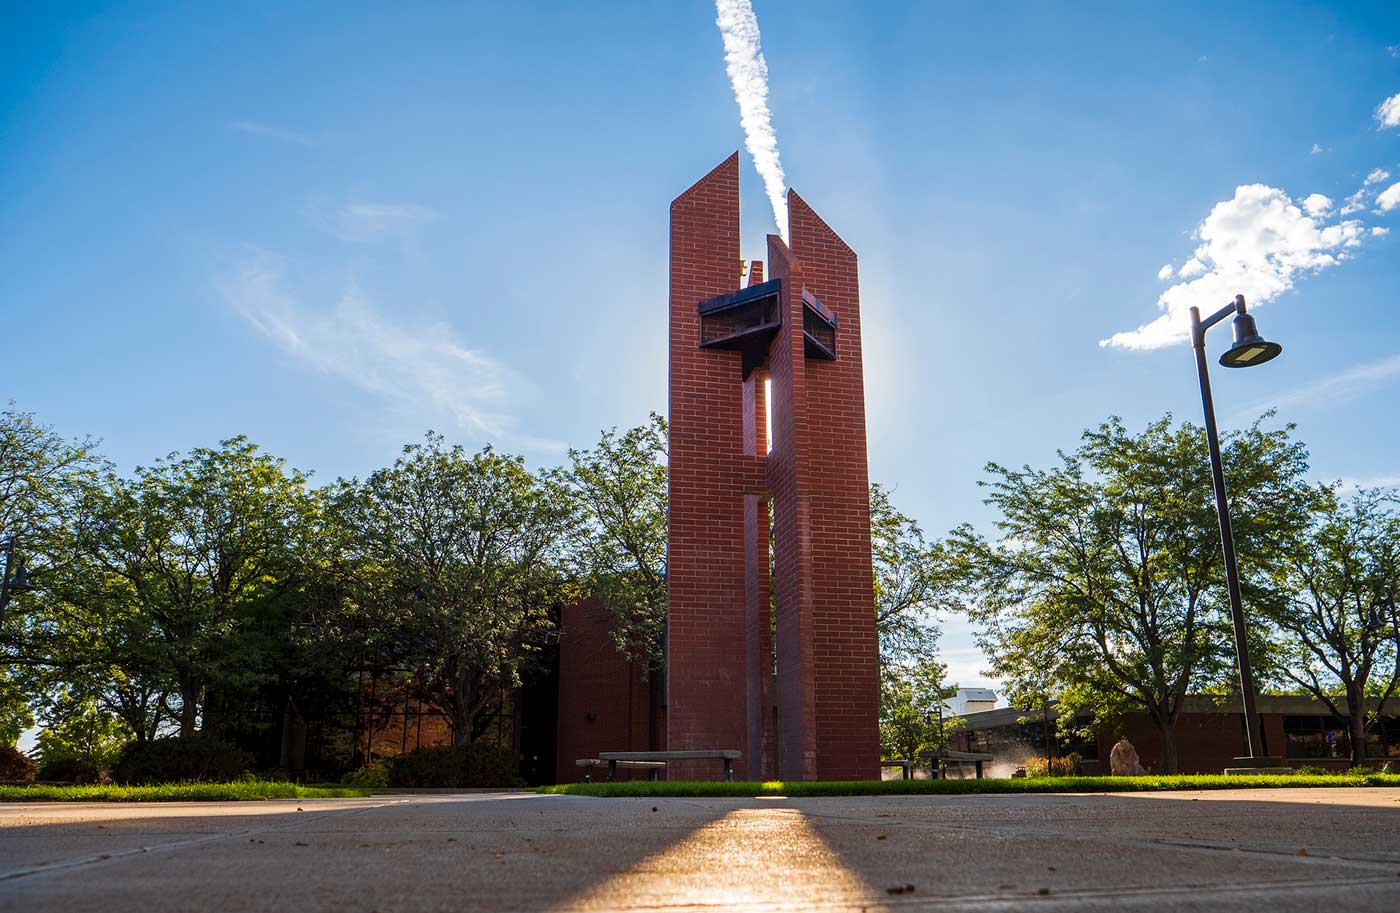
(15, 765)
(1068, 766)
(69, 769)
(480, 765)
(1315, 770)
(372, 776)
(180, 760)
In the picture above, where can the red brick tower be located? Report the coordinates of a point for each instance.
(798, 336)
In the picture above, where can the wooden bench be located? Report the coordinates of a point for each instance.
(940, 758)
(653, 768)
(727, 755)
(906, 766)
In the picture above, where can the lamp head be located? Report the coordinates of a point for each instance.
(20, 582)
(1250, 348)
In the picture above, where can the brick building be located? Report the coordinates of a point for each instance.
(1210, 734)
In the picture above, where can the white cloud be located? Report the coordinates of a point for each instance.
(369, 221)
(1165, 272)
(1317, 205)
(1255, 244)
(1380, 232)
(423, 371)
(1316, 149)
(1389, 198)
(1388, 114)
(1192, 267)
(1357, 201)
(1344, 385)
(748, 74)
(269, 131)
(1349, 484)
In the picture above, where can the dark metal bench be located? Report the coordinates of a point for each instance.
(653, 768)
(727, 755)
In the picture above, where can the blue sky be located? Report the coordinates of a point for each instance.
(332, 227)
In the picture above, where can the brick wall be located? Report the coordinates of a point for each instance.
(605, 702)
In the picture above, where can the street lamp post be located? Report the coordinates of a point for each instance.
(1249, 349)
(16, 578)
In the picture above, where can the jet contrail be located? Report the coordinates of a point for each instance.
(748, 72)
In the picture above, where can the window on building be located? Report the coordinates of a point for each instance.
(1327, 737)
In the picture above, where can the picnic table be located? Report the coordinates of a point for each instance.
(941, 757)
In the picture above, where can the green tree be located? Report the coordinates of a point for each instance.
(1336, 631)
(911, 582)
(911, 694)
(620, 543)
(454, 566)
(171, 571)
(1106, 579)
(79, 740)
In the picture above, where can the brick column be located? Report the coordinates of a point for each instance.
(706, 630)
(846, 677)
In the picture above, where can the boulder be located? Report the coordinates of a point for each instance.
(1123, 760)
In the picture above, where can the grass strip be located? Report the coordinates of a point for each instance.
(243, 790)
(796, 789)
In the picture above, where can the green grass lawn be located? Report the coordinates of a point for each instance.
(177, 792)
(962, 787)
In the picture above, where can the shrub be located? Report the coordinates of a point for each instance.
(15, 765)
(68, 769)
(1068, 766)
(180, 760)
(478, 765)
(375, 775)
(1314, 770)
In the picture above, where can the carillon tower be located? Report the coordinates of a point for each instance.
(771, 629)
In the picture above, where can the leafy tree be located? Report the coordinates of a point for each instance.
(911, 580)
(453, 568)
(1106, 580)
(42, 476)
(15, 714)
(1337, 632)
(910, 697)
(79, 740)
(173, 568)
(620, 487)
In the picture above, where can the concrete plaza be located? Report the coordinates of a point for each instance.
(1277, 850)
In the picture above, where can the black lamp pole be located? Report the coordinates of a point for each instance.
(1249, 349)
(15, 579)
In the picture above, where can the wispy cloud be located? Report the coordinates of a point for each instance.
(1258, 243)
(1329, 391)
(369, 221)
(748, 73)
(271, 131)
(422, 371)
(1349, 484)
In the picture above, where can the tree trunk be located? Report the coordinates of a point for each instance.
(1356, 726)
(1171, 752)
(189, 705)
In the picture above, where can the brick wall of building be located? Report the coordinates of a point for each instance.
(605, 701)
